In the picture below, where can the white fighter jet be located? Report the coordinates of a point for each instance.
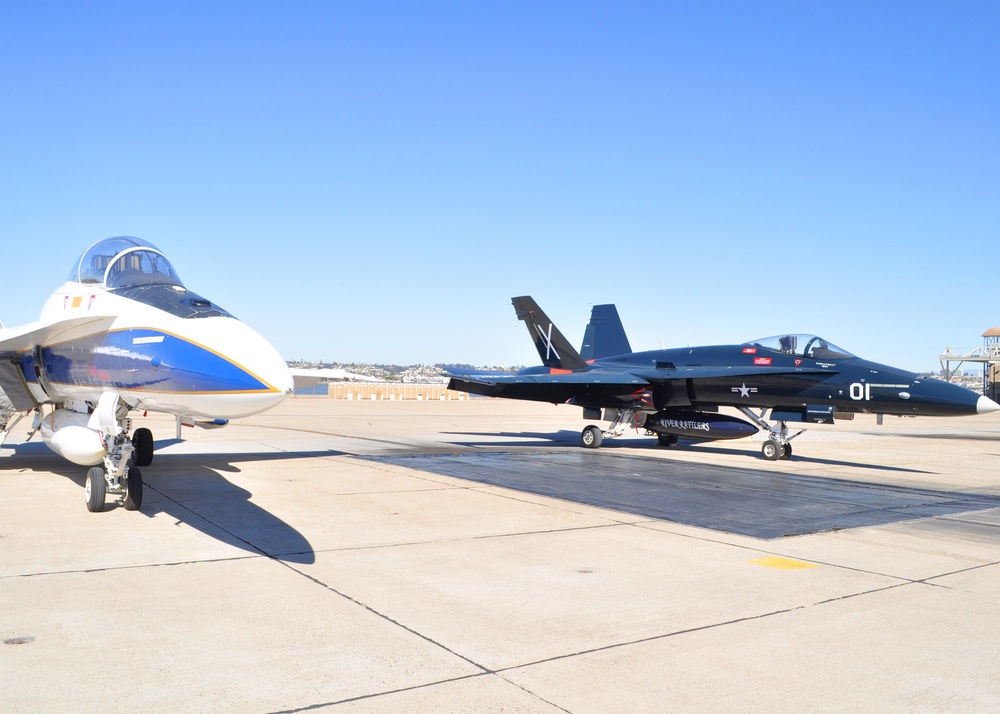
(123, 334)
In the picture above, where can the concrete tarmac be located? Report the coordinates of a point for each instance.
(306, 559)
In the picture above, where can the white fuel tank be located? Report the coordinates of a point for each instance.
(66, 433)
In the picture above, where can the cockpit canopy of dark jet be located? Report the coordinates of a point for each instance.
(808, 346)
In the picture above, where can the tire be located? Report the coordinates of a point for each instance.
(142, 441)
(771, 450)
(667, 439)
(591, 437)
(95, 488)
(133, 489)
(786, 453)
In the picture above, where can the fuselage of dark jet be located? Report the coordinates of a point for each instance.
(756, 374)
(800, 378)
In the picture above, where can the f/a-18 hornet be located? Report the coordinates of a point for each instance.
(676, 393)
(123, 334)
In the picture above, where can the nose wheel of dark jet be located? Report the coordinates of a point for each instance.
(775, 450)
(777, 447)
(591, 437)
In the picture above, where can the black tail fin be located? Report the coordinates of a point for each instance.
(554, 349)
(605, 335)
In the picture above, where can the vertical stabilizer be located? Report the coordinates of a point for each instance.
(554, 349)
(605, 335)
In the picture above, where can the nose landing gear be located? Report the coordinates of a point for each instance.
(777, 447)
(120, 473)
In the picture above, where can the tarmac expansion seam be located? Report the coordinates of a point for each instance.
(139, 566)
(277, 559)
(328, 433)
(824, 563)
(666, 635)
(425, 685)
(382, 615)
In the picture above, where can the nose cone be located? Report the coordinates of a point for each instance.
(933, 397)
(986, 405)
(245, 375)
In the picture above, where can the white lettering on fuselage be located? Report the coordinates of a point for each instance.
(684, 424)
(863, 391)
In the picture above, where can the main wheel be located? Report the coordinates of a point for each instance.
(591, 437)
(786, 453)
(95, 489)
(133, 489)
(142, 441)
(667, 439)
(771, 450)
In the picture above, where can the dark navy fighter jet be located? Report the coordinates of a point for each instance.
(677, 392)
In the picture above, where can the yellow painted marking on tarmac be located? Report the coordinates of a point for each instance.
(780, 563)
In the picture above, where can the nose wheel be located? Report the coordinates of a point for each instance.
(591, 437)
(95, 488)
(774, 450)
(777, 446)
(120, 472)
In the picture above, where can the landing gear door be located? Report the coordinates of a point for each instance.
(12, 384)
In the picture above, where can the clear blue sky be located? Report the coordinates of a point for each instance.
(373, 181)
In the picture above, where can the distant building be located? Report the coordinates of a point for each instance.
(991, 344)
(393, 391)
(988, 355)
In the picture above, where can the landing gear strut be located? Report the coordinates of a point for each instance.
(591, 437)
(777, 445)
(118, 475)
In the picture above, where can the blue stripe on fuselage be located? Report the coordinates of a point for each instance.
(143, 359)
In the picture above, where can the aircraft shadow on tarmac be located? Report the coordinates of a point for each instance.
(572, 438)
(191, 489)
(757, 502)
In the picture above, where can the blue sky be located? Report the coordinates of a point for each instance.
(374, 181)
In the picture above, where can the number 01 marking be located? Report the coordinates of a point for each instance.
(861, 391)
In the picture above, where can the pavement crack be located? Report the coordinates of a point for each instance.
(687, 631)
(384, 616)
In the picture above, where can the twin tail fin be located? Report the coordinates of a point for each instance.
(554, 349)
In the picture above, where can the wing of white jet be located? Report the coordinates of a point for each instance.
(124, 333)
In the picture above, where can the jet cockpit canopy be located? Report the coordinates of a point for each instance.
(808, 346)
(124, 262)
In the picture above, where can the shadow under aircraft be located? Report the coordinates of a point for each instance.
(674, 393)
(193, 491)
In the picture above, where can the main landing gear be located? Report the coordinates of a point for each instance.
(592, 436)
(777, 445)
(120, 472)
